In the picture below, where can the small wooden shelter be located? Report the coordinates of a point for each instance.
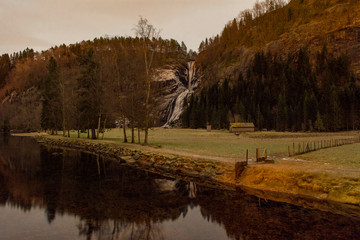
(242, 127)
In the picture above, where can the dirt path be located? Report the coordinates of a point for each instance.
(32, 134)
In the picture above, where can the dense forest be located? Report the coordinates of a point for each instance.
(281, 26)
(283, 94)
(275, 65)
(88, 85)
(283, 66)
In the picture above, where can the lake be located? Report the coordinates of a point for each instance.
(50, 193)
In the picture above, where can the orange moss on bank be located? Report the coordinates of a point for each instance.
(301, 183)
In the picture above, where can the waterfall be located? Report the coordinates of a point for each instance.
(190, 73)
(176, 106)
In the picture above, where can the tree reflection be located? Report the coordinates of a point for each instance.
(128, 203)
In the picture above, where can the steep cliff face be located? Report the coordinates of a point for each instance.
(173, 86)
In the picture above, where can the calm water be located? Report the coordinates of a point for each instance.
(60, 194)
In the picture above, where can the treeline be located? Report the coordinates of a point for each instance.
(8, 62)
(93, 84)
(283, 94)
(268, 21)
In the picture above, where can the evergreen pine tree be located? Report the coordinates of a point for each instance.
(319, 124)
(51, 116)
(282, 115)
(89, 91)
(334, 110)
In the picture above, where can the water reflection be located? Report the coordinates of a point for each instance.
(113, 201)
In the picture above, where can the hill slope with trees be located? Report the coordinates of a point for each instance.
(89, 85)
(292, 66)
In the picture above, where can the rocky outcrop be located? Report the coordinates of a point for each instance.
(174, 85)
(21, 111)
(168, 84)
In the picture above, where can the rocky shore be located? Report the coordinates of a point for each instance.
(265, 181)
(207, 172)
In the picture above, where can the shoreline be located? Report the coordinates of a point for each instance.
(262, 180)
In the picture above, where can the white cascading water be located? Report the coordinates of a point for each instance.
(176, 105)
(190, 73)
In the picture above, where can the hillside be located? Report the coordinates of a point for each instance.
(292, 66)
(284, 66)
(300, 23)
(92, 83)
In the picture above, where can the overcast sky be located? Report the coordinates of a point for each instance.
(41, 24)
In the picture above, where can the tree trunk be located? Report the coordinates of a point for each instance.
(63, 106)
(139, 135)
(98, 129)
(132, 133)
(78, 133)
(132, 116)
(52, 131)
(146, 134)
(93, 133)
(103, 132)
(148, 63)
(147, 113)
(88, 132)
(56, 133)
(124, 128)
(68, 132)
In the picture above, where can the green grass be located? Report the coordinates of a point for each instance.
(331, 173)
(224, 144)
(342, 155)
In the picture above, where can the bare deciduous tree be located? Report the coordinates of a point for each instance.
(149, 35)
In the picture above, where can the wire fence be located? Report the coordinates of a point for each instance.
(311, 146)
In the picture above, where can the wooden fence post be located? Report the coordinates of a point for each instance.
(265, 153)
(303, 147)
(289, 151)
(293, 148)
(247, 156)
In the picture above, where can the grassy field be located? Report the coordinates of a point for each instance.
(342, 155)
(224, 144)
(331, 173)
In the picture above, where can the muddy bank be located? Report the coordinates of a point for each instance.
(320, 191)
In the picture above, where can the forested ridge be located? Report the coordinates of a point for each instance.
(275, 25)
(284, 66)
(88, 85)
(283, 94)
